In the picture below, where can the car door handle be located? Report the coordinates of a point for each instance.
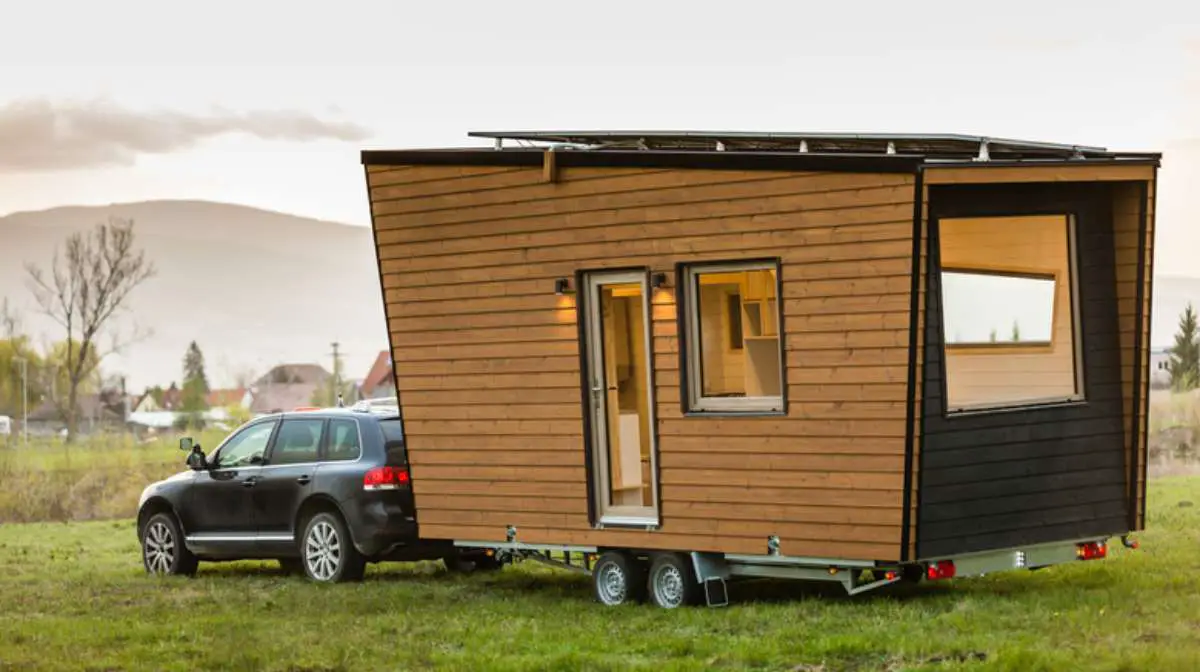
(304, 480)
(250, 482)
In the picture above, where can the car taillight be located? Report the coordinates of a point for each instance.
(385, 478)
(1092, 550)
(943, 569)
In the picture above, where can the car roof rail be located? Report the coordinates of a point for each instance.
(382, 406)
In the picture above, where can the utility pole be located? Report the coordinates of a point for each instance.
(337, 375)
(24, 398)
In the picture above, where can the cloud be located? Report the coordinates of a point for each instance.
(45, 135)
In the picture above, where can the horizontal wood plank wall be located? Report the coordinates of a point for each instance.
(1143, 445)
(918, 362)
(997, 480)
(487, 359)
(983, 173)
(1127, 224)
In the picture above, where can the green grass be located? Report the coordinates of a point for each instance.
(73, 596)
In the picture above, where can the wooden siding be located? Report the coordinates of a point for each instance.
(983, 173)
(487, 358)
(995, 480)
(917, 360)
(1131, 202)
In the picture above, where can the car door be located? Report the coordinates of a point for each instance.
(287, 478)
(220, 503)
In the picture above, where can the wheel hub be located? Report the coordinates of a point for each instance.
(322, 552)
(159, 548)
(612, 584)
(669, 586)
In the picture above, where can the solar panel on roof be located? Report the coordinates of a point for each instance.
(951, 146)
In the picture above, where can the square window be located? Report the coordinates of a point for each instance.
(1010, 312)
(734, 357)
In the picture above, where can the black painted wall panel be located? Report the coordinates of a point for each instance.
(997, 480)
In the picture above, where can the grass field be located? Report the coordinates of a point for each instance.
(99, 478)
(73, 596)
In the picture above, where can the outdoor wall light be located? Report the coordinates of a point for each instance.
(562, 286)
(658, 280)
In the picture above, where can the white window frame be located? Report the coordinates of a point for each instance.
(693, 362)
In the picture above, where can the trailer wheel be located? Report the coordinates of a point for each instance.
(672, 581)
(618, 578)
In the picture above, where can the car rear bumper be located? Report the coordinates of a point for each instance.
(379, 525)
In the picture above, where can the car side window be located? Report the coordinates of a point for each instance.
(245, 448)
(298, 441)
(343, 441)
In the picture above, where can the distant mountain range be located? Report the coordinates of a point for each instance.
(256, 288)
(253, 288)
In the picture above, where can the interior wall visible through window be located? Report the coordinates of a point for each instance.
(1009, 311)
(735, 352)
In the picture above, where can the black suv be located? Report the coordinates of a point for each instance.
(323, 491)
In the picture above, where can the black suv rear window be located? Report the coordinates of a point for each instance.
(393, 440)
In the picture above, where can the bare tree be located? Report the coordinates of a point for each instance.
(10, 321)
(88, 284)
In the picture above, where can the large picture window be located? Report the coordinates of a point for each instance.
(1009, 312)
(734, 355)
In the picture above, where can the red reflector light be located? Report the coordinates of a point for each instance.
(385, 478)
(1093, 550)
(943, 569)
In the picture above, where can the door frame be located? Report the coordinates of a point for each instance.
(596, 460)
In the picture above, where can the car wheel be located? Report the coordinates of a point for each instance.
(618, 578)
(672, 582)
(327, 553)
(163, 551)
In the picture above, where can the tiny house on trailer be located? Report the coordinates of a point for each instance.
(672, 359)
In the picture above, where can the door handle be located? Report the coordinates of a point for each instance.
(250, 482)
(304, 480)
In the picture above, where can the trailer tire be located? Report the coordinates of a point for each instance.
(618, 578)
(672, 582)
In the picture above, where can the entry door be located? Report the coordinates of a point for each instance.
(621, 402)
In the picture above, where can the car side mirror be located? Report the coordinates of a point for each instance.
(196, 459)
(186, 443)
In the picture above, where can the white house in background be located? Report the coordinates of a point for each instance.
(160, 421)
(1160, 377)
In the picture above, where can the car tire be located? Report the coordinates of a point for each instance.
(163, 550)
(672, 582)
(618, 578)
(327, 553)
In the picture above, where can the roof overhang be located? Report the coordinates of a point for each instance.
(850, 152)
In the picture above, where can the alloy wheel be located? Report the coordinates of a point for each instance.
(323, 551)
(159, 548)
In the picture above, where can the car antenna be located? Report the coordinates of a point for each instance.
(340, 402)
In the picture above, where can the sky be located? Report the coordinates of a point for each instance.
(268, 103)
